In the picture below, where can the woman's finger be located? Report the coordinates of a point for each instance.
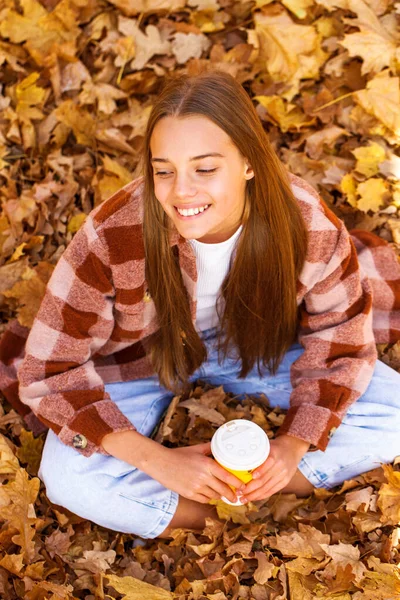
(225, 476)
(256, 484)
(201, 498)
(266, 466)
(274, 485)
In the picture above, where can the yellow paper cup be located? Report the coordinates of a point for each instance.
(240, 446)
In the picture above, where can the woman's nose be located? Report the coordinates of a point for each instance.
(184, 186)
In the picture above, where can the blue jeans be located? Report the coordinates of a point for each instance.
(118, 496)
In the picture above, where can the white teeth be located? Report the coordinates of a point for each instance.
(192, 211)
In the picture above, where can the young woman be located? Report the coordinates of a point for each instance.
(218, 265)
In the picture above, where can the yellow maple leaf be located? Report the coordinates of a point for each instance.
(288, 51)
(369, 158)
(289, 117)
(376, 51)
(373, 193)
(381, 99)
(43, 33)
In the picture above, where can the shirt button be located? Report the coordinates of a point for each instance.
(79, 441)
(332, 431)
(147, 296)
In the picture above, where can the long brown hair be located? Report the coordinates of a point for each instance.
(260, 314)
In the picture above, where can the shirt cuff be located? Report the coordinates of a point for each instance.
(89, 425)
(311, 423)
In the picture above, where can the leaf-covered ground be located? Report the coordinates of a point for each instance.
(77, 82)
(338, 544)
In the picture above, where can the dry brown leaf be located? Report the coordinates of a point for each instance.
(343, 555)
(305, 543)
(20, 513)
(265, 569)
(389, 496)
(134, 589)
(30, 452)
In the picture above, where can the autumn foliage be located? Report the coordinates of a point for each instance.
(77, 82)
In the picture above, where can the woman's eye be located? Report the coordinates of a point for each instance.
(166, 173)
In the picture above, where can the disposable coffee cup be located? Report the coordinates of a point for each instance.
(240, 446)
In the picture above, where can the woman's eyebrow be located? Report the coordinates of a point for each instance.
(215, 154)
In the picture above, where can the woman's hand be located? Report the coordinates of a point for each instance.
(191, 473)
(278, 470)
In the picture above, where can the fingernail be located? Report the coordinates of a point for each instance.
(243, 500)
(256, 475)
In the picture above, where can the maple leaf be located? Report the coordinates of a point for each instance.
(369, 158)
(288, 117)
(43, 33)
(102, 93)
(373, 194)
(290, 52)
(59, 542)
(146, 44)
(305, 543)
(328, 136)
(189, 45)
(358, 498)
(381, 98)
(343, 555)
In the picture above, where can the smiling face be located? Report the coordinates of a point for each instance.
(198, 169)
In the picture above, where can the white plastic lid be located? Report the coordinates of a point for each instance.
(240, 445)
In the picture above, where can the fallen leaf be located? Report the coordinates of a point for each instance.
(373, 194)
(134, 589)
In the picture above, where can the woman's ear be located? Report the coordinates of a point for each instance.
(249, 173)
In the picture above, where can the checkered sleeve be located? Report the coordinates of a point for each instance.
(335, 329)
(57, 378)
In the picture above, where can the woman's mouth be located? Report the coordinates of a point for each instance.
(191, 213)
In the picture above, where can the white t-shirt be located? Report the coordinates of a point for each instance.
(212, 262)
